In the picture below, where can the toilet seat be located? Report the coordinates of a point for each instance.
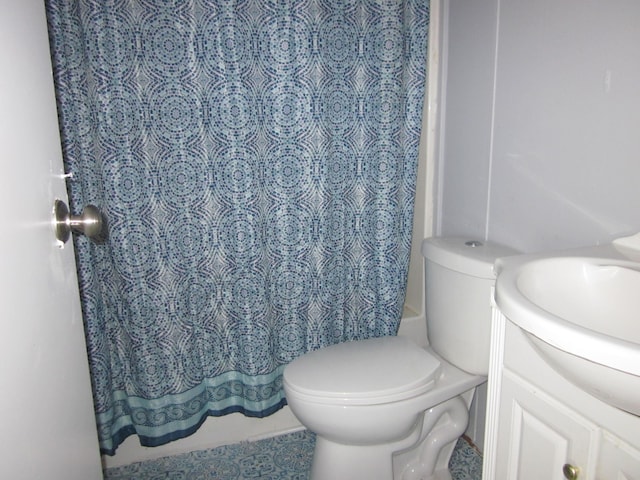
(366, 372)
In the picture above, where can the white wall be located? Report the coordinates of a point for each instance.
(541, 142)
(468, 58)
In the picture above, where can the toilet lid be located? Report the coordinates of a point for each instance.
(363, 372)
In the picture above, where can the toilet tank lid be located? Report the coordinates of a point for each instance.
(465, 255)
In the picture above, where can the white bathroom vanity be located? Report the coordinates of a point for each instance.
(563, 378)
(538, 422)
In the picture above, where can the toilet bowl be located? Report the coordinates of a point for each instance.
(385, 408)
(360, 426)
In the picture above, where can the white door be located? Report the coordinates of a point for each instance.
(47, 426)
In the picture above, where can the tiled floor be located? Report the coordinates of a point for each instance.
(287, 457)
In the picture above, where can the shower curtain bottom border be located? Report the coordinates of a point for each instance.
(150, 441)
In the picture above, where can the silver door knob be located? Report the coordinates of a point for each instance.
(91, 222)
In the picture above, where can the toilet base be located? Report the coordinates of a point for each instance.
(442, 426)
(333, 461)
(441, 475)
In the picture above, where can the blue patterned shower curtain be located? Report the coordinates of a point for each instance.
(256, 160)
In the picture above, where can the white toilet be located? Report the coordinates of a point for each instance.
(386, 408)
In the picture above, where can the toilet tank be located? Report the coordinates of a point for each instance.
(459, 279)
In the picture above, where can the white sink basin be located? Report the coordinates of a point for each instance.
(581, 310)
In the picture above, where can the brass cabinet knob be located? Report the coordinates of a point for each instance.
(570, 472)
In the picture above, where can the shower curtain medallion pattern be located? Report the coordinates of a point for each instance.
(256, 160)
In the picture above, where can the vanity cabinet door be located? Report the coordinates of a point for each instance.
(538, 436)
(617, 460)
